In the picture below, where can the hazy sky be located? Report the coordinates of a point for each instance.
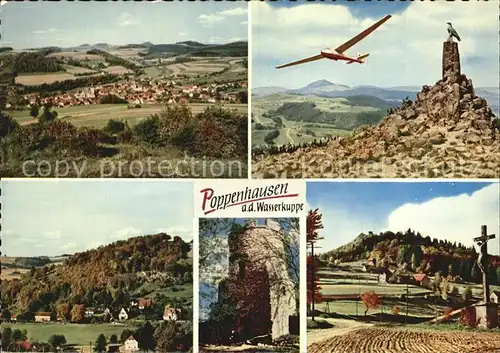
(51, 217)
(442, 210)
(405, 51)
(38, 24)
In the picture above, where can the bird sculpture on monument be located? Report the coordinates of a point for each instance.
(452, 33)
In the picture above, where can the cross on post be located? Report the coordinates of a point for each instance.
(482, 259)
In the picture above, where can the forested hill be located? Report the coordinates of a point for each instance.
(419, 253)
(103, 276)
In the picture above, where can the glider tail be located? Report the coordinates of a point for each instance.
(359, 59)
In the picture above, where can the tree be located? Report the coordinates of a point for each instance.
(77, 313)
(6, 338)
(112, 341)
(145, 337)
(313, 225)
(34, 110)
(168, 335)
(6, 315)
(100, 344)
(370, 300)
(126, 334)
(56, 341)
(17, 335)
(62, 311)
(467, 295)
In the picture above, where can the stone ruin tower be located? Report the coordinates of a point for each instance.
(259, 281)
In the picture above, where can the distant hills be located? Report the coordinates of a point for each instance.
(151, 51)
(327, 89)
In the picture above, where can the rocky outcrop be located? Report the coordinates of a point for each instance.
(446, 132)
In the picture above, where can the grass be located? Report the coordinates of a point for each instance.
(318, 324)
(381, 289)
(75, 334)
(98, 115)
(296, 132)
(184, 291)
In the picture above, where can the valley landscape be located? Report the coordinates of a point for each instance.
(120, 283)
(125, 104)
(324, 109)
(390, 291)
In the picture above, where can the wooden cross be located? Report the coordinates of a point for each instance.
(482, 259)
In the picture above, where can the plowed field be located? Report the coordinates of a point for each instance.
(382, 340)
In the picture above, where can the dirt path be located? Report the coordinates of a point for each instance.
(341, 327)
(288, 135)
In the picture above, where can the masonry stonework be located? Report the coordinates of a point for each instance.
(259, 280)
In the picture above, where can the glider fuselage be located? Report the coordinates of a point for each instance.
(334, 55)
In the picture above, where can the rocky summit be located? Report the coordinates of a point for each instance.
(447, 132)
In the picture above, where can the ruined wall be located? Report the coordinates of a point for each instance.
(259, 279)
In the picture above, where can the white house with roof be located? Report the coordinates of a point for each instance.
(123, 315)
(131, 345)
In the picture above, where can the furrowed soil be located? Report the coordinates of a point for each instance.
(394, 340)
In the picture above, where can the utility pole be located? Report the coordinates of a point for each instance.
(407, 292)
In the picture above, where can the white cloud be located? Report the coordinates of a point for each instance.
(39, 31)
(183, 34)
(456, 218)
(243, 22)
(125, 233)
(2, 3)
(406, 50)
(210, 19)
(237, 11)
(69, 246)
(126, 19)
(213, 40)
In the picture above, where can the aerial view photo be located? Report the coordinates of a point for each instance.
(403, 267)
(249, 285)
(150, 89)
(418, 101)
(100, 266)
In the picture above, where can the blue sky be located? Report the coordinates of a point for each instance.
(51, 217)
(405, 51)
(38, 24)
(442, 210)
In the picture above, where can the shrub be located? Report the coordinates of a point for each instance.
(148, 131)
(177, 123)
(7, 125)
(114, 126)
(468, 317)
(269, 139)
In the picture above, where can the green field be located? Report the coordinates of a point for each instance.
(75, 334)
(381, 289)
(97, 115)
(296, 132)
(184, 291)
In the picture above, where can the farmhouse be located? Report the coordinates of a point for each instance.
(42, 317)
(171, 314)
(145, 303)
(495, 297)
(131, 344)
(89, 312)
(422, 279)
(123, 315)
